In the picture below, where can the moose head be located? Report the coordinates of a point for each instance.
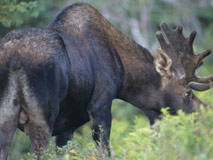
(177, 63)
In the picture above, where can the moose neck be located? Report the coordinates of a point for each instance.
(141, 82)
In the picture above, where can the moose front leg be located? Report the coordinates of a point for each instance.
(152, 115)
(63, 138)
(100, 117)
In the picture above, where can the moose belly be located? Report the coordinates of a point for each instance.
(70, 119)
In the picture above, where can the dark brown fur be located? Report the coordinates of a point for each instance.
(56, 79)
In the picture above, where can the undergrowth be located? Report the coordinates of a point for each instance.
(185, 137)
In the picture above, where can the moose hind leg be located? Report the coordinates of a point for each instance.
(40, 127)
(41, 119)
(39, 136)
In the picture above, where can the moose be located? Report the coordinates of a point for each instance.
(55, 79)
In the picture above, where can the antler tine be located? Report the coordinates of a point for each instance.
(204, 54)
(183, 48)
(199, 59)
(199, 87)
(174, 37)
(176, 66)
(179, 29)
(192, 38)
(166, 28)
(164, 45)
(208, 79)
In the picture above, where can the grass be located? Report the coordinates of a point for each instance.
(173, 138)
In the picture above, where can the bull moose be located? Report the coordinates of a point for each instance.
(55, 79)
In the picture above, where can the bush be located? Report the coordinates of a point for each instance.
(184, 137)
(14, 13)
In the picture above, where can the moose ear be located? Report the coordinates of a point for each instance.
(163, 63)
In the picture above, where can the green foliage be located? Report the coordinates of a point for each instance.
(71, 151)
(15, 13)
(184, 137)
(26, 13)
(173, 138)
(20, 146)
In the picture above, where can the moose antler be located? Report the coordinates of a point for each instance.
(176, 65)
(181, 50)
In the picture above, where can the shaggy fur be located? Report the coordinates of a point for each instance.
(54, 80)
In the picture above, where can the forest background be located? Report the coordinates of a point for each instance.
(131, 138)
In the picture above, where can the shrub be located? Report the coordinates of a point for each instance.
(184, 137)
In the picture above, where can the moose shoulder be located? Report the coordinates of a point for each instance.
(54, 80)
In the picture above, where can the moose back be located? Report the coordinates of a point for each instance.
(54, 80)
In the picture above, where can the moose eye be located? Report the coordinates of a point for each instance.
(187, 94)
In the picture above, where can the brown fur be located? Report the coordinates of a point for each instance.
(137, 61)
(58, 78)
